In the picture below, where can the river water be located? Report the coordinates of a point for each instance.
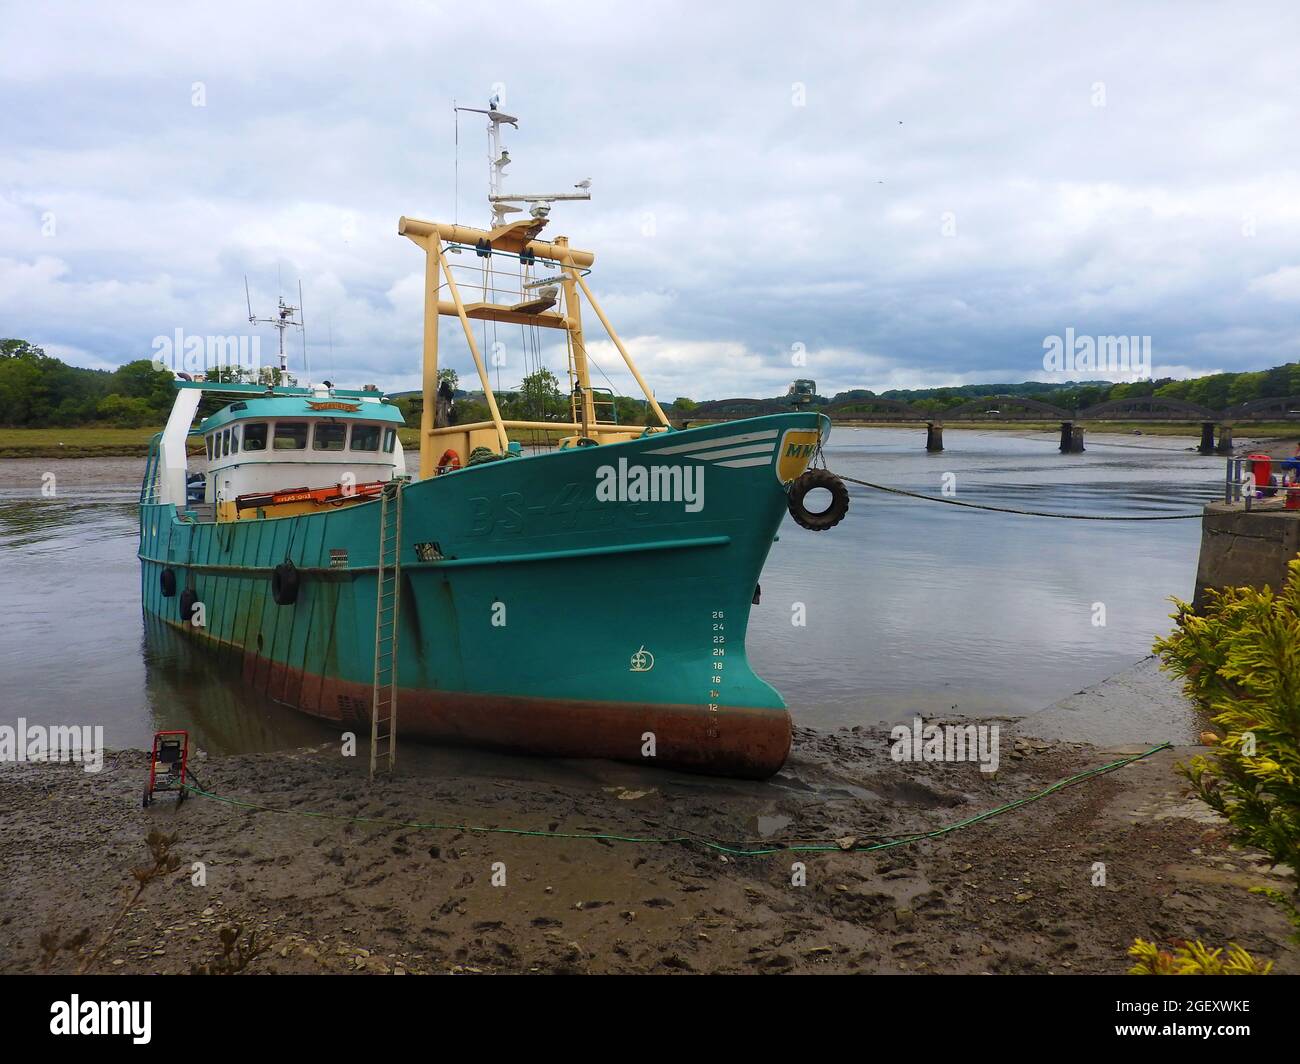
(907, 606)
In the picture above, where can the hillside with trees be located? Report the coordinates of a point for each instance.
(40, 391)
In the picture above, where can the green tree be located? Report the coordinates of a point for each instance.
(126, 411)
(539, 394)
(13, 348)
(140, 380)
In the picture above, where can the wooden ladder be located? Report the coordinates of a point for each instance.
(388, 595)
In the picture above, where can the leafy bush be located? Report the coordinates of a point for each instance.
(1192, 958)
(125, 411)
(1240, 659)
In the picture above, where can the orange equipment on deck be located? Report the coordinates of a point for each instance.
(334, 495)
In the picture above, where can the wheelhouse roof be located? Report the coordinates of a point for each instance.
(327, 408)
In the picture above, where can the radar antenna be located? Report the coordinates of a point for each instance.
(539, 204)
(283, 319)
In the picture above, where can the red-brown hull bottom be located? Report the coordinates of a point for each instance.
(734, 741)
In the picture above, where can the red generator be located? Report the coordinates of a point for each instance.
(171, 753)
(1261, 468)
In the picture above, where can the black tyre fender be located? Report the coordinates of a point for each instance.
(167, 581)
(833, 514)
(284, 584)
(188, 599)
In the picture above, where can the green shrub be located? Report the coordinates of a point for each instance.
(1193, 958)
(1240, 660)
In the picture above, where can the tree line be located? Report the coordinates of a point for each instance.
(1217, 391)
(38, 390)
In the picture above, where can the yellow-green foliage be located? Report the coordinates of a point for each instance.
(1193, 958)
(1240, 659)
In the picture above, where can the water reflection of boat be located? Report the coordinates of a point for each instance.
(187, 688)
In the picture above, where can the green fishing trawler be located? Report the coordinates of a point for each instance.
(587, 600)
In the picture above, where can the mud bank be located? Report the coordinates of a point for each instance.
(1015, 894)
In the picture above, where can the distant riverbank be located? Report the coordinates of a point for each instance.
(111, 442)
(102, 442)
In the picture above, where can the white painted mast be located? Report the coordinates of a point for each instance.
(499, 158)
(283, 320)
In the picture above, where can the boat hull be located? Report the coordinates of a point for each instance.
(538, 614)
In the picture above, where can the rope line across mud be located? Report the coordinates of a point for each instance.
(1022, 513)
(737, 850)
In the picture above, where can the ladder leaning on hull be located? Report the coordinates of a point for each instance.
(383, 705)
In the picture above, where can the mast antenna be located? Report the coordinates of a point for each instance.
(539, 204)
(302, 325)
(283, 319)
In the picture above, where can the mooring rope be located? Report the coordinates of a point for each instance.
(1023, 513)
(718, 847)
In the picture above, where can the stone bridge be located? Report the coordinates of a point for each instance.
(877, 409)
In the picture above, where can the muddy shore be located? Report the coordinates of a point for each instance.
(1015, 894)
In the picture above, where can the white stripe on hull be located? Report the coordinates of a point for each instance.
(735, 452)
(744, 437)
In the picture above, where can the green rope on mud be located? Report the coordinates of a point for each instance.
(717, 847)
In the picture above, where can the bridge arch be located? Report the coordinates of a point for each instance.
(721, 408)
(874, 408)
(1274, 408)
(1155, 407)
(1004, 408)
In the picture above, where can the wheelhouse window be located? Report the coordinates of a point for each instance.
(290, 436)
(255, 436)
(329, 436)
(365, 438)
(225, 442)
(209, 442)
(390, 440)
(234, 440)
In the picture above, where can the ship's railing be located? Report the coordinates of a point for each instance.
(511, 295)
(149, 487)
(597, 403)
(565, 269)
(1239, 483)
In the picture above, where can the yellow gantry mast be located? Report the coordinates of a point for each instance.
(516, 239)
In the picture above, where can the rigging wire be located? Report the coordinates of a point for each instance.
(1022, 513)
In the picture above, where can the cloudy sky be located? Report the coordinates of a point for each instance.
(910, 194)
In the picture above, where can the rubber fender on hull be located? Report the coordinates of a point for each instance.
(167, 581)
(189, 597)
(833, 514)
(284, 584)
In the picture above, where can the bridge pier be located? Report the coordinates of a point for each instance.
(934, 436)
(1071, 438)
(1207, 438)
(1225, 440)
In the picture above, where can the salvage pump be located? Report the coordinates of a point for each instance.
(167, 764)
